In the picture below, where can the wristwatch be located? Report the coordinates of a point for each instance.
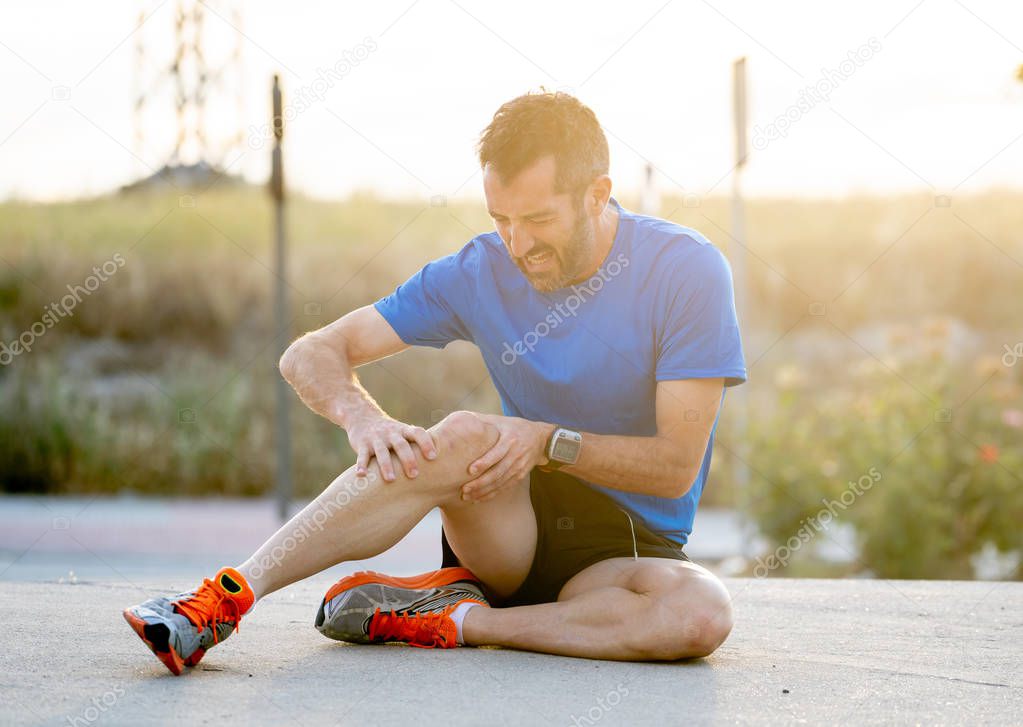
(563, 448)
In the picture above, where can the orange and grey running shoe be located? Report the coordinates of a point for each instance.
(373, 608)
(180, 629)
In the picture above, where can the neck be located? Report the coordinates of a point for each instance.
(606, 229)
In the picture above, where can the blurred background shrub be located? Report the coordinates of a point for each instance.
(875, 338)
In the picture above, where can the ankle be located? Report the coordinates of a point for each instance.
(472, 631)
(458, 616)
(249, 573)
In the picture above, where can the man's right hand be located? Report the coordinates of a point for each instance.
(321, 367)
(378, 436)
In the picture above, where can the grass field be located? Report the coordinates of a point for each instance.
(161, 379)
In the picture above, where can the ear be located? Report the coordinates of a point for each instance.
(598, 194)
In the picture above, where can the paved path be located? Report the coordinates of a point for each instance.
(803, 652)
(837, 652)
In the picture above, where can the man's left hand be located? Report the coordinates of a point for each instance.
(520, 447)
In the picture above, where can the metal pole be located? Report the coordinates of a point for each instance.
(648, 203)
(740, 403)
(283, 428)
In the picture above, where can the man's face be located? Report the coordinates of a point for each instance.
(547, 234)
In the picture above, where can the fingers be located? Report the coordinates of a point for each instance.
(486, 465)
(422, 437)
(405, 455)
(489, 481)
(489, 492)
(396, 437)
(383, 455)
(492, 457)
(361, 460)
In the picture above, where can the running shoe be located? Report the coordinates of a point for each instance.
(180, 629)
(373, 608)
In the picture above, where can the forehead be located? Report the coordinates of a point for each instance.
(531, 190)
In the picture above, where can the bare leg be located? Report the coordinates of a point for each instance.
(356, 518)
(496, 540)
(620, 608)
(645, 609)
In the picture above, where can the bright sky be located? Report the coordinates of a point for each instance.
(932, 101)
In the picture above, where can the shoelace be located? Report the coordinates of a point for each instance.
(421, 630)
(203, 608)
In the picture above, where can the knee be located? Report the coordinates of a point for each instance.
(696, 618)
(704, 629)
(466, 432)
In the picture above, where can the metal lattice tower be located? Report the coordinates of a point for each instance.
(192, 79)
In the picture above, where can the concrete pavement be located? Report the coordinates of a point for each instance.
(802, 652)
(810, 651)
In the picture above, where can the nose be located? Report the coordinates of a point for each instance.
(520, 241)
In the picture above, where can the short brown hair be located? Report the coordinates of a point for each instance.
(536, 125)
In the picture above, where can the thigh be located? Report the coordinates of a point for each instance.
(681, 580)
(496, 540)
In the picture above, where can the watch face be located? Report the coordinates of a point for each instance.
(565, 450)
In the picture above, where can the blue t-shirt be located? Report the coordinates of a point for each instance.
(589, 356)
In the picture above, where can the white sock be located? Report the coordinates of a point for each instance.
(458, 616)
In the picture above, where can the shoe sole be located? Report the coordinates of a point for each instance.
(170, 657)
(196, 657)
(434, 579)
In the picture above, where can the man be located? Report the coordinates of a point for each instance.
(610, 338)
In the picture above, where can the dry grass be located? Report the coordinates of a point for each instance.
(185, 324)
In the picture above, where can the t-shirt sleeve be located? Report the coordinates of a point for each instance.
(430, 308)
(698, 334)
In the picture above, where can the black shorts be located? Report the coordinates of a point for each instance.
(576, 526)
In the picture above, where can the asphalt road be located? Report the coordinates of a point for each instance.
(802, 652)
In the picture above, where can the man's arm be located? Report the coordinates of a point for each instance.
(320, 367)
(664, 465)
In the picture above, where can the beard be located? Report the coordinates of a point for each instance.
(571, 258)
